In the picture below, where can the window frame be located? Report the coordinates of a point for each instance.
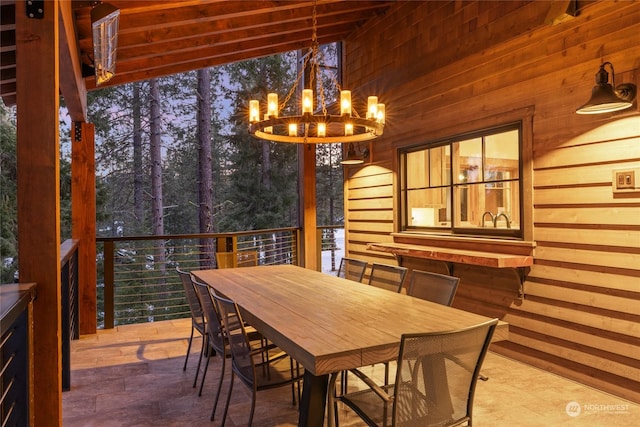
(457, 231)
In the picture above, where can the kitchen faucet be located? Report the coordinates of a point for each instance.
(491, 216)
(506, 218)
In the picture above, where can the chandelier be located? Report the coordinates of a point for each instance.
(315, 126)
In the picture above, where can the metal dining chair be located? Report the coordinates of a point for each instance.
(352, 269)
(433, 287)
(435, 381)
(197, 317)
(390, 277)
(215, 338)
(245, 361)
(216, 341)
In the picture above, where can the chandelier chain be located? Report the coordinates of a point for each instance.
(295, 84)
(311, 127)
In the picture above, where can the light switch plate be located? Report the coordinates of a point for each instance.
(626, 180)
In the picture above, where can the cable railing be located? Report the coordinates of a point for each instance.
(69, 300)
(137, 281)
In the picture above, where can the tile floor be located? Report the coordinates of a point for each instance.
(132, 376)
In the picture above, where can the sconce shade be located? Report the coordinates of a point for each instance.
(353, 158)
(604, 98)
(104, 26)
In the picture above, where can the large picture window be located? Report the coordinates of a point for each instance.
(467, 184)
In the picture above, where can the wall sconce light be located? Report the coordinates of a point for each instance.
(606, 97)
(104, 26)
(354, 157)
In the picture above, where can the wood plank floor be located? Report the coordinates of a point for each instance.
(132, 376)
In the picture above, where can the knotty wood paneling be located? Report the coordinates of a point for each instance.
(448, 67)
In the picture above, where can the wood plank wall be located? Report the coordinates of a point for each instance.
(442, 68)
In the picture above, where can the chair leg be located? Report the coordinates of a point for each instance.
(215, 402)
(186, 359)
(298, 384)
(343, 381)
(253, 407)
(226, 406)
(386, 373)
(204, 374)
(204, 341)
(332, 403)
(295, 372)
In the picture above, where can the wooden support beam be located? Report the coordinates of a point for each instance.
(83, 220)
(307, 173)
(71, 81)
(39, 198)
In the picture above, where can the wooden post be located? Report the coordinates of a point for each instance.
(83, 219)
(307, 174)
(39, 197)
(307, 186)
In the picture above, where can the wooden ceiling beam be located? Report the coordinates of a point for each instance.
(217, 51)
(258, 36)
(235, 56)
(163, 37)
(72, 83)
(239, 11)
(220, 33)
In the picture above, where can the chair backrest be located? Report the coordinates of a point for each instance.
(214, 325)
(236, 334)
(437, 375)
(433, 286)
(352, 269)
(236, 259)
(389, 277)
(192, 297)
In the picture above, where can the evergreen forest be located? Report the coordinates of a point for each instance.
(174, 156)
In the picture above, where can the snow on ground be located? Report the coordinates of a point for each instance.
(338, 253)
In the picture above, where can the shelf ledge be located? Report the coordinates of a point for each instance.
(520, 263)
(486, 259)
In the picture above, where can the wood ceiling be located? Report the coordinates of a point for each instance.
(164, 37)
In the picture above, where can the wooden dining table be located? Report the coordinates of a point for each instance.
(328, 324)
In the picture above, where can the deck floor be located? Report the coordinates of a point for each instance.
(132, 376)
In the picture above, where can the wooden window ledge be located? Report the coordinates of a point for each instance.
(462, 256)
(517, 255)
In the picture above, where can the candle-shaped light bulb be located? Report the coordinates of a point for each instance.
(348, 129)
(272, 104)
(372, 108)
(380, 113)
(322, 130)
(345, 102)
(293, 129)
(307, 101)
(254, 111)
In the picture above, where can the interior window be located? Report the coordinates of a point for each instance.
(468, 184)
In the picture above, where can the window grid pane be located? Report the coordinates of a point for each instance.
(484, 195)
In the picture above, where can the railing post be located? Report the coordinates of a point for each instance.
(298, 245)
(234, 249)
(109, 290)
(319, 248)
